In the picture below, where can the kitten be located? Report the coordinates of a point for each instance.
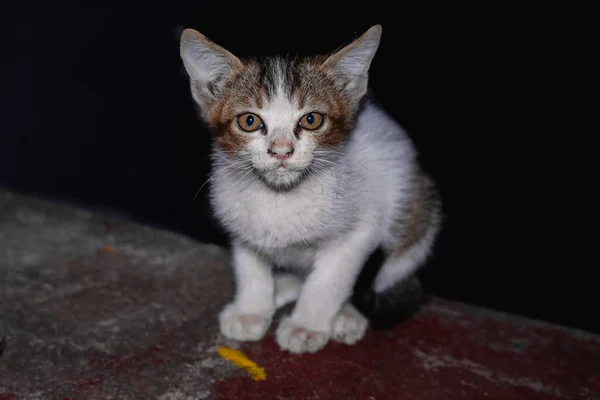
(313, 181)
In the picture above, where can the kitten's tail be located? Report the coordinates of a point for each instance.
(386, 308)
(387, 290)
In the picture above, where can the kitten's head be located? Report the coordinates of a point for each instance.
(277, 116)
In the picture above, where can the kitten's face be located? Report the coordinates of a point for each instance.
(280, 116)
(278, 113)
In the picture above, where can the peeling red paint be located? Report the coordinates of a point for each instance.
(157, 361)
(431, 357)
(89, 383)
(129, 365)
(132, 364)
(7, 396)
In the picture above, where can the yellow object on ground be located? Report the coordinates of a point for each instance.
(110, 249)
(240, 360)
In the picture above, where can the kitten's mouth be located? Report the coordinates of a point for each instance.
(281, 177)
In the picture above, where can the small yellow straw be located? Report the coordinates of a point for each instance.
(240, 360)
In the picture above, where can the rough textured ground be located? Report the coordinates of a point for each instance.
(92, 307)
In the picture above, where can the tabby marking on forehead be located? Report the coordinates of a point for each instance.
(261, 81)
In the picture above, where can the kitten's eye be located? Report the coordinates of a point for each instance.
(311, 121)
(250, 122)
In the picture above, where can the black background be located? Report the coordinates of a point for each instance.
(97, 112)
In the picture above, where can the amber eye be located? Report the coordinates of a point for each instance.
(311, 121)
(250, 122)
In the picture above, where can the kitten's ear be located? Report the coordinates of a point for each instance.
(207, 64)
(350, 65)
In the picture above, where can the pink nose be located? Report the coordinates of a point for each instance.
(281, 149)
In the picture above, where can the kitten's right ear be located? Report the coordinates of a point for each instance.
(350, 65)
(207, 64)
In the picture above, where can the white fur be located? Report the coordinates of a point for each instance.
(280, 118)
(349, 325)
(249, 316)
(397, 268)
(287, 289)
(327, 225)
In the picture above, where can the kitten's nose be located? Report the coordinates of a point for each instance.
(281, 149)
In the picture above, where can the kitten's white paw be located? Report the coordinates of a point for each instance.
(243, 326)
(349, 325)
(297, 339)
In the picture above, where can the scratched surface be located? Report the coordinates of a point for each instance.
(94, 307)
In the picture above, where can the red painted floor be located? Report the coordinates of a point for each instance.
(448, 351)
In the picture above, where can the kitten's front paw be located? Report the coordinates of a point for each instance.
(297, 339)
(349, 325)
(243, 326)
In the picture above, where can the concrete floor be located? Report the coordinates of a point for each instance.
(93, 307)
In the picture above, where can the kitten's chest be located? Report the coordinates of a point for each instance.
(276, 220)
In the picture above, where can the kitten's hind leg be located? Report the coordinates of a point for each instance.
(249, 316)
(287, 289)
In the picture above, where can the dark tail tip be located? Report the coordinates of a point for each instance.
(396, 304)
(392, 306)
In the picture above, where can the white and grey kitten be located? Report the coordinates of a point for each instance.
(314, 183)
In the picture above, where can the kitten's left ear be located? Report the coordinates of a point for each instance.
(350, 65)
(207, 64)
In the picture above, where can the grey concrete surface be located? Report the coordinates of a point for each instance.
(91, 304)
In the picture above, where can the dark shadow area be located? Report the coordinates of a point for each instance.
(98, 113)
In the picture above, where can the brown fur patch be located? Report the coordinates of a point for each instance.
(240, 91)
(421, 213)
(318, 88)
(230, 140)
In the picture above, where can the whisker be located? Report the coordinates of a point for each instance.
(235, 165)
(204, 184)
(329, 152)
(324, 168)
(249, 181)
(318, 170)
(327, 161)
(241, 171)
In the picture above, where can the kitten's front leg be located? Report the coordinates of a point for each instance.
(329, 285)
(249, 316)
